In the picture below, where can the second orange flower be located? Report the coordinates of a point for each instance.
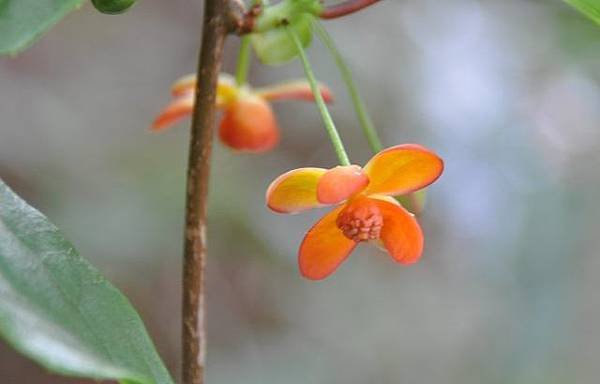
(248, 123)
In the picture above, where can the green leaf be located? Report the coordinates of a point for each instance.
(590, 8)
(24, 21)
(58, 310)
(275, 47)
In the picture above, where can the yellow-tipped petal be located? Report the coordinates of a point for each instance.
(183, 85)
(293, 90)
(175, 111)
(295, 191)
(226, 87)
(402, 169)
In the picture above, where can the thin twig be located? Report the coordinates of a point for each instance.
(332, 131)
(364, 118)
(345, 8)
(214, 32)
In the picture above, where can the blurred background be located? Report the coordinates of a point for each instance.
(507, 91)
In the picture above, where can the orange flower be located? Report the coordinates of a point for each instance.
(248, 122)
(367, 210)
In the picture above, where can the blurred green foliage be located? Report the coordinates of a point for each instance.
(60, 311)
(24, 21)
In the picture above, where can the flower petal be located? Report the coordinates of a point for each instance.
(184, 85)
(294, 191)
(227, 89)
(175, 111)
(402, 169)
(226, 86)
(182, 105)
(401, 234)
(293, 90)
(324, 248)
(340, 183)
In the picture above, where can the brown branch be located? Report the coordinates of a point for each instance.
(241, 21)
(345, 8)
(215, 28)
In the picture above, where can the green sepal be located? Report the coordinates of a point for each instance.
(414, 202)
(24, 21)
(113, 7)
(275, 47)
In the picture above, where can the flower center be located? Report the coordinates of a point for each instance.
(360, 220)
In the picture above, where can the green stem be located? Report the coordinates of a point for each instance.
(243, 63)
(334, 136)
(359, 106)
(413, 201)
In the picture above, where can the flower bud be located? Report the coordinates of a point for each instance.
(113, 7)
(249, 125)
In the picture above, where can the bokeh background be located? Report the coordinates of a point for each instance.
(507, 91)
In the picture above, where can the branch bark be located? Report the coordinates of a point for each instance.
(214, 31)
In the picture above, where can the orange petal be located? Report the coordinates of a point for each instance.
(294, 191)
(402, 169)
(401, 234)
(249, 125)
(182, 105)
(227, 89)
(226, 86)
(341, 182)
(183, 85)
(175, 111)
(293, 90)
(324, 248)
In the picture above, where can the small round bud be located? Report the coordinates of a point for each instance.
(113, 7)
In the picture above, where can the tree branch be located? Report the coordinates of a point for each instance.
(215, 28)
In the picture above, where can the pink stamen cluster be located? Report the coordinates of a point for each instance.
(360, 222)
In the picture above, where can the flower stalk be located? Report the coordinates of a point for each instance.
(243, 61)
(345, 8)
(334, 136)
(364, 118)
(414, 201)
